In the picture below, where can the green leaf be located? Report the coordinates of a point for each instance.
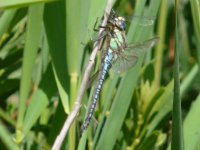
(191, 126)
(56, 123)
(31, 46)
(177, 133)
(150, 142)
(195, 7)
(5, 20)
(6, 138)
(56, 37)
(20, 3)
(162, 108)
(40, 99)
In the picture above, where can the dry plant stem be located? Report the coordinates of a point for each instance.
(59, 140)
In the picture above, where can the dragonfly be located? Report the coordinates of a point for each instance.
(118, 55)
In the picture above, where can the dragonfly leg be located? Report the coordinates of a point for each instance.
(102, 35)
(95, 28)
(105, 27)
(114, 13)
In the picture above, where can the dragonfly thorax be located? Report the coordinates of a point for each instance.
(118, 41)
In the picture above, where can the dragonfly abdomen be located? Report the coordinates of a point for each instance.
(106, 65)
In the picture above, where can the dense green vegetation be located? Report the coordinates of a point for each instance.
(44, 50)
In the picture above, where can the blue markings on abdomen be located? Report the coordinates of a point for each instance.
(106, 65)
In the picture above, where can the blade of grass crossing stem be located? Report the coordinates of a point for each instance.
(123, 96)
(35, 15)
(177, 133)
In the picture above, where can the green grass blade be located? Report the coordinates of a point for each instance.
(177, 133)
(40, 99)
(195, 6)
(152, 103)
(5, 20)
(73, 28)
(20, 3)
(160, 46)
(6, 138)
(162, 108)
(150, 142)
(35, 16)
(74, 24)
(187, 82)
(56, 37)
(56, 123)
(6, 117)
(164, 103)
(191, 126)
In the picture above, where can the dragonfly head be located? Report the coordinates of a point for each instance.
(120, 23)
(117, 21)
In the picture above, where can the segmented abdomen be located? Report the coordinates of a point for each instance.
(106, 65)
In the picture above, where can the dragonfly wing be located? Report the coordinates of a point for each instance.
(124, 62)
(141, 20)
(128, 57)
(143, 46)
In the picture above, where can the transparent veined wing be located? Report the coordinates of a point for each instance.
(142, 46)
(141, 20)
(127, 58)
(123, 62)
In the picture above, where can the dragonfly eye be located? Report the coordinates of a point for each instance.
(123, 25)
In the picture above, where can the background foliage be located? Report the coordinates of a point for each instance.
(44, 49)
